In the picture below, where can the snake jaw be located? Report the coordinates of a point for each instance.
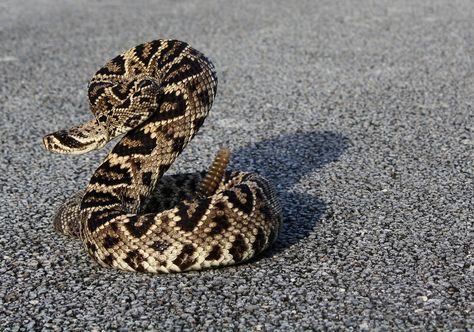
(77, 140)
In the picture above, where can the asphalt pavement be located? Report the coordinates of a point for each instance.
(360, 113)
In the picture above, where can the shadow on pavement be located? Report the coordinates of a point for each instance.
(285, 160)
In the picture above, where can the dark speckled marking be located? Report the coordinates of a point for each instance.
(184, 260)
(187, 223)
(181, 70)
(151, 49)
(96, 89)
(147, 144)
(160, 246)
(247, 204)
(222, 223)
(67, 140)
(238, 248)
(122, 91)
(220, 206)
(273, 234)
(146, 178)
(178, 107)
(139, 225)
(259, 242)
(134, 260)
(198, 122)
(172, 50)
(118, 65)
(110, 241)
(204, 97)
(266, 212)
(215, 254)
(110, 175)
(95, 198)
(109, 259)
(178, 143)
(101, 217)
(114, 227)
(92, 247)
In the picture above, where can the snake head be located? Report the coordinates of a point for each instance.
(77, 140)
(118, 108)
(124, 105)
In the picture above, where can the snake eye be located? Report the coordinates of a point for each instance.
(144, 83)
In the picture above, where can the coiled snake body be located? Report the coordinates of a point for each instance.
(129, 216)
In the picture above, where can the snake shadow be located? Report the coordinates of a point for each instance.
(285, 161)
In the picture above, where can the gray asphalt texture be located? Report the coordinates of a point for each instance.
(361, 113)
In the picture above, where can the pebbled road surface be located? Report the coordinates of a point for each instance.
(361, 113)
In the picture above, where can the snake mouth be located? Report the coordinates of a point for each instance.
(78, 140)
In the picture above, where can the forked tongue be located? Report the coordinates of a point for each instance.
(81, 139)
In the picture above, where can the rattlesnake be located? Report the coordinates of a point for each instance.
(130, 217)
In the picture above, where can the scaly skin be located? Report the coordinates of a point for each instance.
(159, 94)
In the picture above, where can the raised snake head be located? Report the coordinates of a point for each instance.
(117, 106)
